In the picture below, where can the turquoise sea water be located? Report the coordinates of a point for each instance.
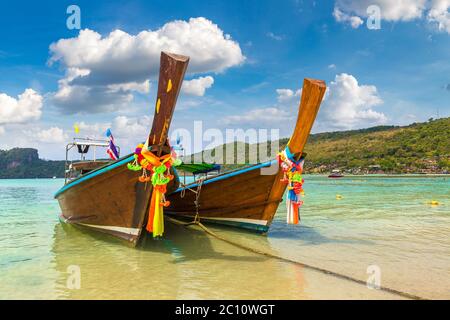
(382, 221)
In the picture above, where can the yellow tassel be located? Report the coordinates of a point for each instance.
(158, 220)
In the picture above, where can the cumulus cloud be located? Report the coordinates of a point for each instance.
(48, 136)
(436, 12)
(259, 116)
(103, 72)
(288, 95)
(340, 16)
(27, 107)
(197, 87)
(439, 15)
(349, 105)
(128, 128)
(390, 10)
(52, 135)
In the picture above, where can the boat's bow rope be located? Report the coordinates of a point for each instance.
(197, 222)
(197, 197)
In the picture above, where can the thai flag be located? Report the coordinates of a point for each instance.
(112, 150)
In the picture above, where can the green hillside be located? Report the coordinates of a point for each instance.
(417, 148)
(21, 163)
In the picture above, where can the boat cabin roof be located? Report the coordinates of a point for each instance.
(88, 142)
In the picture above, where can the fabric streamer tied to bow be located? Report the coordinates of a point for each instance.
(292, 176)
(159, 168)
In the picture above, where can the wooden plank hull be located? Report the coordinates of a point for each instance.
(236, 198)
(247, 198)
(109, 200)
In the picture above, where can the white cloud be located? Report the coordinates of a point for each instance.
(260, 116)
(340, 16)
(132, 128)
(436, 12)
(143, 87)
(52, 135)
(390, 10)
(27, 107)
(275, 36)
(348, 105)
(332, 66)
(103, 72)
(439, 15)
(288, 95)
(197, 87)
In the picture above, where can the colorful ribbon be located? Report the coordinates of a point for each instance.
(160, 176)
(292, 176)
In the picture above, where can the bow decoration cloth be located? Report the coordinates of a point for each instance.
(292, 175)
(157, 171)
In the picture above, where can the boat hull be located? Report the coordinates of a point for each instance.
(238, 198)
(249, 197)
(110, 200)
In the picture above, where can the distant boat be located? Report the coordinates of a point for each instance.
(54, 177)
(336, 174)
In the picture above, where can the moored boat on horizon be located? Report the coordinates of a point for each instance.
(335, 174)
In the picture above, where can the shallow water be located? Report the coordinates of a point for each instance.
(381, 221)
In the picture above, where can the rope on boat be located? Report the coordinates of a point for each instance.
(197, 222)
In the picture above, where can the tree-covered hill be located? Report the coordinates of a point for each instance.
(417, 148)
(20, 163)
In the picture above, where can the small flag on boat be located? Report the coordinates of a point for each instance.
(112, 150)
(76, 127)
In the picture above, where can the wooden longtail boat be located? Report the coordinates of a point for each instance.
(110, 198)
(247, 198)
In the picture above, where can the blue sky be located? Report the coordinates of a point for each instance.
(395, 75)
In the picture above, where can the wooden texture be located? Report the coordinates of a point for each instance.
(172, 70)
(240, 196)
(115, 199)
(249, 194)
(89, 165)
(312, 95)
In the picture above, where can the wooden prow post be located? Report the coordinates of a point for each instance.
(312, 95)
(171, 73)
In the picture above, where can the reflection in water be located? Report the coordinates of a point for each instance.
(380, 221)
(188, 264)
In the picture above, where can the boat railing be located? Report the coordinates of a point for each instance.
(75, 168)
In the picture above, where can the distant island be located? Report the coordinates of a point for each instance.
(416, 148)
(21, 163)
